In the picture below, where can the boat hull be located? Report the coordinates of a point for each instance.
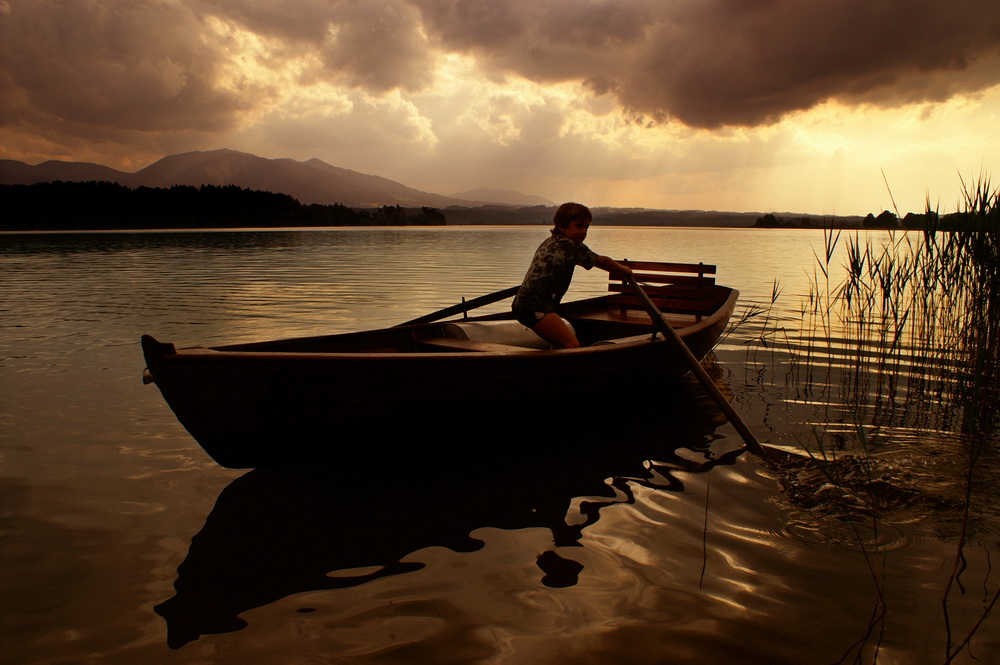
(252, 407)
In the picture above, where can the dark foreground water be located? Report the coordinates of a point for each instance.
(624, 531)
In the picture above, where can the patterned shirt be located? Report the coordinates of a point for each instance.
(551, 272)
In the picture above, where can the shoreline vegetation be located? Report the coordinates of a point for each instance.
(918, 354)
(84, 206)
(100, 205)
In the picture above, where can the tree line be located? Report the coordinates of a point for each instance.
(928, 221)
(105, 205)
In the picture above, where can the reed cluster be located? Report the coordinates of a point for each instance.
(917, 314)
(910, 332)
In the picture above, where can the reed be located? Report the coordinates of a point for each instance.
(917, 314)
(910, 331)
(895, 362)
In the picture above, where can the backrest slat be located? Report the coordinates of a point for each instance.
(679, 288)
(679, 280)
(661, 266)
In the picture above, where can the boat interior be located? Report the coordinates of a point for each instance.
(685, 293)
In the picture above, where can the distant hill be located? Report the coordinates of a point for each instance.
(503, 197)
(19, 173)
(313, 181)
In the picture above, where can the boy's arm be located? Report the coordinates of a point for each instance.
(609, 264)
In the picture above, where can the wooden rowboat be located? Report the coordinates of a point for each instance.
(282, 401)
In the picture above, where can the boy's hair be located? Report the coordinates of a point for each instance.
(568, 213)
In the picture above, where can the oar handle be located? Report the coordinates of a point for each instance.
(694, 365)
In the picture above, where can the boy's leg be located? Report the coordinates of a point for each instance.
(552, 329)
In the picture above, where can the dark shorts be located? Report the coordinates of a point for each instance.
(528, 318)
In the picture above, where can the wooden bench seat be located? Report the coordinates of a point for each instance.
(675, 288)
(450, 344)
(633, 316)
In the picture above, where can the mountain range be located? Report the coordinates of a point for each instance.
(312, 181)
(315, 181)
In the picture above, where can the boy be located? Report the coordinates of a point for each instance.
(551, 272)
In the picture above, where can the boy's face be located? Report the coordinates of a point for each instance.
(576, 230)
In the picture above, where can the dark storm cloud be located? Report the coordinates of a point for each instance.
(377, 46)
(96, 67)
(742, 66)
(548, 41)
(100, 69)
(709, 63)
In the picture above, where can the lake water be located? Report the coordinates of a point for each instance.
(117, 526)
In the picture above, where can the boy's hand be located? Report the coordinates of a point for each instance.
(609, 264)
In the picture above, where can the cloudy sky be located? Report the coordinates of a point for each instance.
(742, 105)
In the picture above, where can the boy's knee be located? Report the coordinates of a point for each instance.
(570, 343)
(556, 332)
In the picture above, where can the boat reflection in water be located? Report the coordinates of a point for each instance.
(280, 531)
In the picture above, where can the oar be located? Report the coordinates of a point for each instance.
(664, 327)
(481, 301)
